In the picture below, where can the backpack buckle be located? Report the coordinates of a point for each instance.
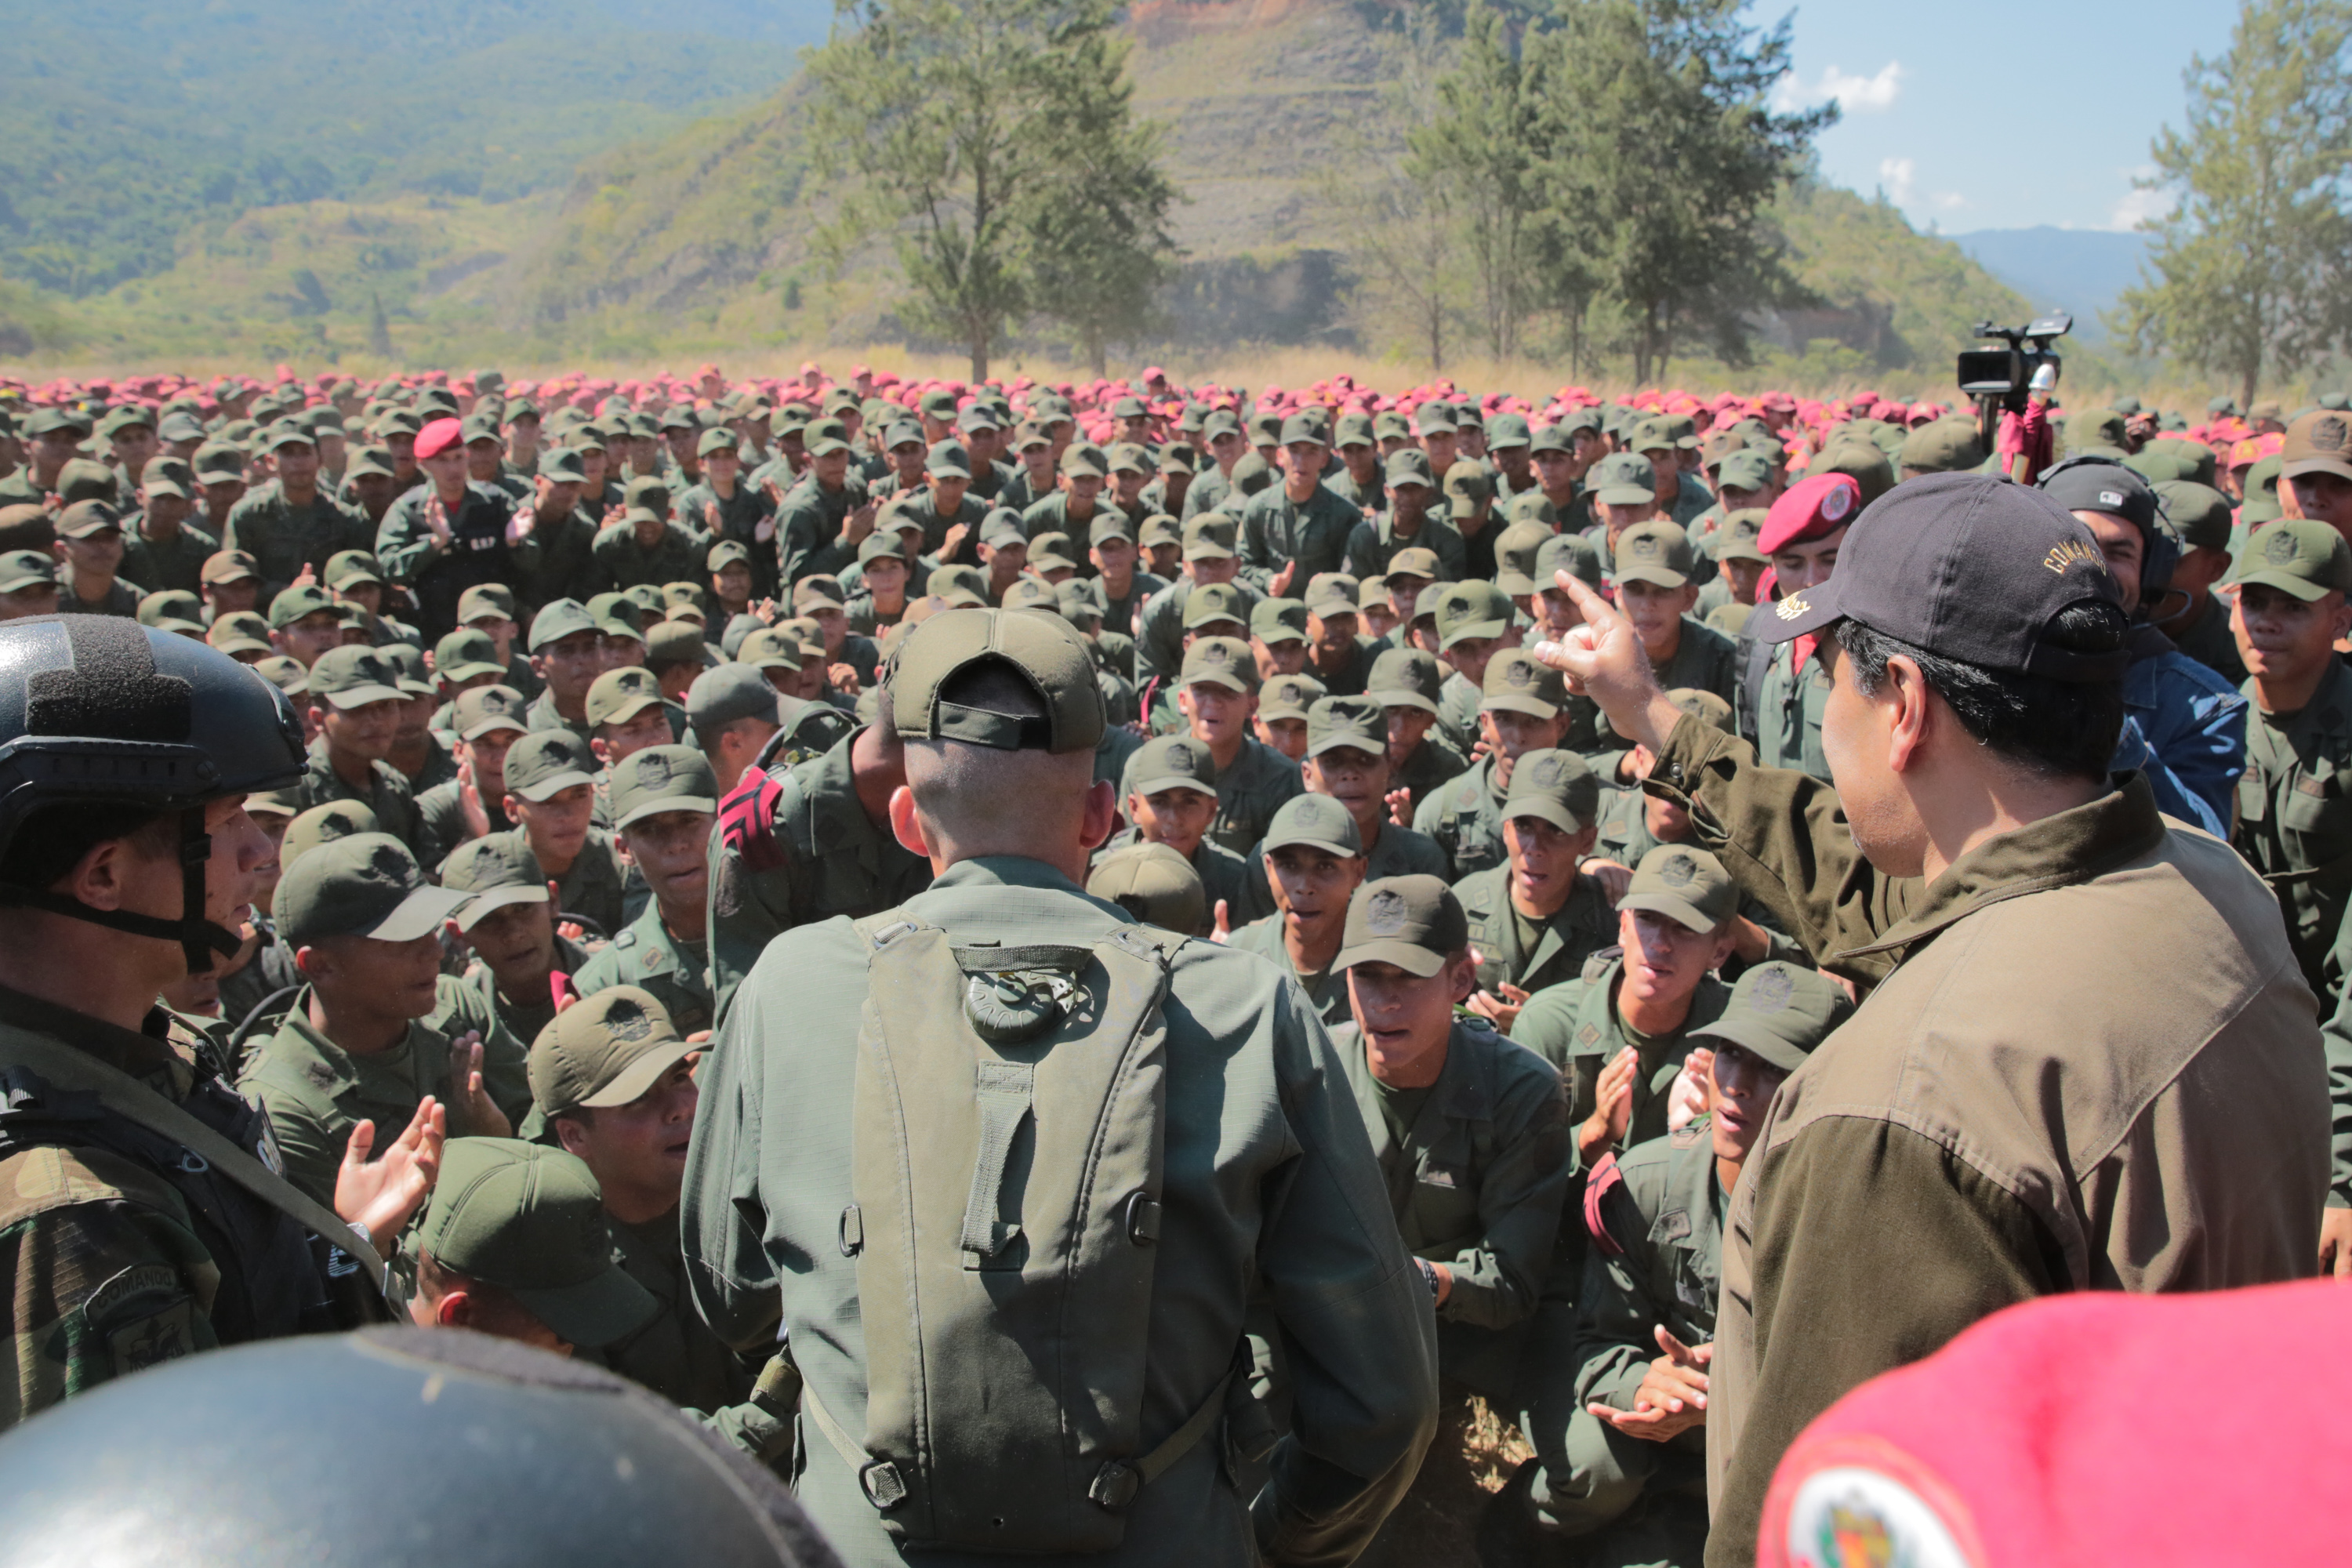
(1115, 1485)
(884, 1487)
(1142, 1220)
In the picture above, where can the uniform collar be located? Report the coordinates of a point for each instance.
(2059, 851)
(145, 1053)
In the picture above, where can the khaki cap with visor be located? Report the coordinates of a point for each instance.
(1045, 651)
(1154, 884)
(1359, 723)
(1314, 822)
(1173, 761)
(660, 779)
(546, 762)
(1781, 1012)
(531, 1220)
(1414, 922)
(2297, 556)
(497, 869)
(488, 707)
(1220, 661)
(1554, 786)
(352, 677)
(364, 885)
(1657, 552)
(606, 1050)
(618, 696)
(1518, 682)
(1686, 885)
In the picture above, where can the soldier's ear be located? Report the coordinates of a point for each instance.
(906, 826)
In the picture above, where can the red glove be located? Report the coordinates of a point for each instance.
(746, 821)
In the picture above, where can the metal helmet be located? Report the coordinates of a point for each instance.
(483, 1451)
(101, 711)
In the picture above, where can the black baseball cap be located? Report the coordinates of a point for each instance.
(1969, 568)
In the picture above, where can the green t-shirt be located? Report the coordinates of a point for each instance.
(1400, 1108)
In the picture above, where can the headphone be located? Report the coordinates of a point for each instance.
(2159, 545)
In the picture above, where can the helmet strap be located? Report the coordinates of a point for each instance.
(199, 938)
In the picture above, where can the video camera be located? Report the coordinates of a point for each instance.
(2005, 374)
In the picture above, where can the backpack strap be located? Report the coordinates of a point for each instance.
(68, 1068)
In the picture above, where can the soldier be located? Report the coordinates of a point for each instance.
(1347, 760)
(28, 586)
(1993, 842)
(1209, 560)
(626, 712)
(1617, 1403)
(125, 1248)
(1655, 562)
(1300, 528)
(1470, 1130)
(1405, 682)
(90, 550)
(563, 528)
(2200, 625)
(1473, 623)
(805, 835)
(1004, 813)
(1342, 660)
(1171, 799)
(1375, 542)
(449, 534)
(520, 951)
(1783, 686)
(355, 701)
(1218, 695)
(645, 548)
(1521, 712)
(1313, 863)
(566, 656)
(733, 711)
(161, 548)
(664, 801)
(822, 520)
(1119, 585)
(516, 1247)
(291, 522)
(723, 506)
(486, 720)
(550, 779)
(1536, 918)
(368, 1035)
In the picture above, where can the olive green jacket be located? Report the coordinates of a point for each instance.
(647, 956)
(1327, 989)
(1570, 934)
(1270, 1190)
(1579, 1029)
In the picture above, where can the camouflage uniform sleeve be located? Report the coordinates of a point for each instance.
(105, 1277)
(1783, 836)
(1497, 1282)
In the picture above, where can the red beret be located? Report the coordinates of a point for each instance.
(1809, 510)
(438, 436)
(2092, 1428)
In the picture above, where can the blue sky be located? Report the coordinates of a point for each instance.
(1999, 114)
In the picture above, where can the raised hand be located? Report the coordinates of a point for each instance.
(478, 1115)
(381, 1195)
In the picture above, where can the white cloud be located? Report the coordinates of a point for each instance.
(2137, 205)
(1854, 94)
(1895, 174)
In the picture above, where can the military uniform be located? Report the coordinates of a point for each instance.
(1788, 712)
(175, 562)
(739, 517)
(441, 824)
(1580, 1030)
(315, 1092)
(283, 538)
(811, 855)
(1374, 542)
(1476, 1167)
(1159, 627)
(525, 1018)
(1223, 873)
(1119, 614)
(621, 562)
(1433, 764)
(412, 555)
(543, 715)
(1277, 530)
(1465, 818)
(1533, 954)
(2295, 820)
(597, 887)
(388, 794)
(1249, 793)
(566, 568)
(809, 528)
(121, 598)
(1325, 989)
(676, 972)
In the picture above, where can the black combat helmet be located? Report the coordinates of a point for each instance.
(387, 1448)
(99, 711)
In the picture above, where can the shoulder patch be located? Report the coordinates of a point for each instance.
(1598, 1182)
(1673, 1225)
(627, 939)
(131, 1293)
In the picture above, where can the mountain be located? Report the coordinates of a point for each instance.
(2081, 270)
(132, 125)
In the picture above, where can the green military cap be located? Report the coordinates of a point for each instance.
(287, 433)
(1407, 465)
(1049, 550)
(1354, 429)
(1467, 489)
(820, 591)
(545, 761)
(486, 602)
(562, 464)
(1414, 922)
(303, 599)
(369, 461)
(529, 1219)
(662, 778)
(1213, 602)
(2260, 489)
(2319, 442)
(325, 417)
(1781, 1012)
(365, 885)
(558, 619)
(2174, 459)
(1220, 421)
(1515, 556)
(729, 551)
(1415, 561)
(126, 416)
(1209, 537)
(399, 422)
(1033, 593)
(1686, 885)
(1553, 439)
(1158, 529)
(464, 654)
(1002, 529)
(676, 595)
(1220, 661)
(286, 803)
(353, 677)
(1271, 620)
(488, 707)
(346, 567)
(166, 609)
(494, 872)
(1655, 551)
(902, 433)
(634, 515)
(2093, 428)
(880, 542)
(237, 433)
(1434, 417)
(1265, 428)
(1703, 706)
(1154, 884)
(604, 1051)
(1083, 460)
(718, 438)
(1530, 505)
(479, 426)
(51, 420)
(1045, 651)
(679, 416)
(1860, 461)
(1314, 822)
(1507, 430)
(329, 823)
(285, 673)
(21, 569)
(88, 520)
(1556, 787)
(618, 696)
(1178, 459)
(2297, 556)
(1290, 696)
(1943, 446)
(1331, 594)
(1654, 435)
(82, 479)
(242, 631)
(1569, 552)
(1077, 603)
(722, 695)
(1735, 540)
(965, 587)
(645, 493)
(1406, 678)
(1373, 593)
(1391, 425)
(1622, 478)
(1173, 761)
(1110, 524)
(677, 640)
(522, 411)
(1745, 470)
(158, 481)
(1127, 457)
(1360, 722)
(1471, 610)
(179, 425)
(1518, 682)
(2199, 513)
(948, 460)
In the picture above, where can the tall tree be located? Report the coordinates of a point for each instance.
(953, 119)
(2248, 271)
(1099, 243)
(1661, 155)
(1479, 147)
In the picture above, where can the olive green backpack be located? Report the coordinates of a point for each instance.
(1009, 1126)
